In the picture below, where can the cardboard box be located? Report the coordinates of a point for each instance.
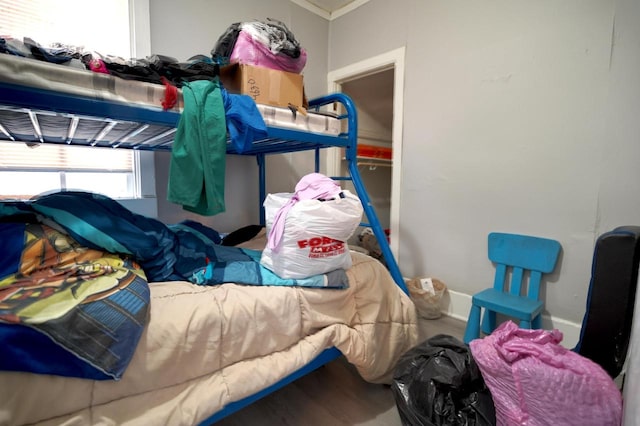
(264, 85)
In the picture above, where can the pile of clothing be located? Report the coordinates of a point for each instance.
(267, 44)
(156, 69)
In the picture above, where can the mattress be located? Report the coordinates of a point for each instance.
(79, 82)
(72, 81)
(323, 123)
(207, 346)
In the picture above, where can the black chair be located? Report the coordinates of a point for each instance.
(606, 326)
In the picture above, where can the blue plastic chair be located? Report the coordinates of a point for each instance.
(521, 255)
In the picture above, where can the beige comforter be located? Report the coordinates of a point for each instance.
(205, 347)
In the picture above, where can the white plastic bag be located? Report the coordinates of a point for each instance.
(315, 235)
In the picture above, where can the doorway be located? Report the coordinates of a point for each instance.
(376, 86)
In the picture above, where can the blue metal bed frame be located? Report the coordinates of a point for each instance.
(149, 128)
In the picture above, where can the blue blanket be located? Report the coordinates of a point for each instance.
(165, 253)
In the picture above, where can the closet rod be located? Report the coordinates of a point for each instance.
(374, 164)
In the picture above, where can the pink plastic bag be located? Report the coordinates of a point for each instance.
(535, 381)
(251, 52)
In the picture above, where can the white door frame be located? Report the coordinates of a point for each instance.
(392, 59)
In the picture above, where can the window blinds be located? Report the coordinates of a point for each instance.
(18, 156)
(99, 26)
(18, 17)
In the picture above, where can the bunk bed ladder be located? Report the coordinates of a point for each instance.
(351, 153)
(374, 224)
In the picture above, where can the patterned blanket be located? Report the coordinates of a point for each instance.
(66, 309)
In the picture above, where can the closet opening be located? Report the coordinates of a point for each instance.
(376, 87)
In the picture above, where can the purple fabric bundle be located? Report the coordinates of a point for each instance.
(262, 45)
(313, 186)
(536, 381)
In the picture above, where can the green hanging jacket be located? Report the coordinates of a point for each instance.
(197, 168)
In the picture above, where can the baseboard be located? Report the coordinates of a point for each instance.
(457, 305)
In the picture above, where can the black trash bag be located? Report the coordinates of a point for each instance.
(438, 383)
(225, 44)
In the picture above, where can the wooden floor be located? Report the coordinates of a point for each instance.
(334, 395)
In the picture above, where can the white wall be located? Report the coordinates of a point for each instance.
(520, 117)
(189, 27)
(620, 185)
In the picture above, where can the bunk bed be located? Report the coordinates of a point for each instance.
(200, 376)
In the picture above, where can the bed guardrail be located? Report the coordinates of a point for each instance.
(44, 116)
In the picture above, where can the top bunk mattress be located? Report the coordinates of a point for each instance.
(17, 123)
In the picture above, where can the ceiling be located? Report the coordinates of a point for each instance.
(330, 9)
(330, 5)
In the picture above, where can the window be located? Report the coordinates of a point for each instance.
(100, 26)
(27, 171)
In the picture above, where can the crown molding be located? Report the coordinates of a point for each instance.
(329, 16)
